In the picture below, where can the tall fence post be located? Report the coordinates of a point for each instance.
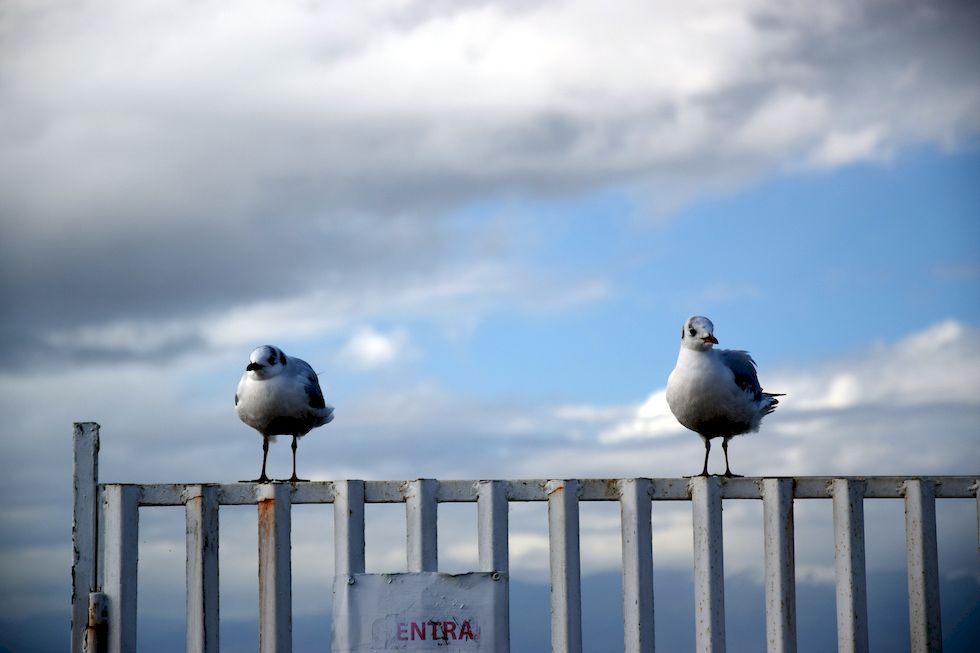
(348, 532)
(637, 541)
(709, 560)
(275, 576)
(201, 515)
(780, 569)
(566, 575)
(492, 520)
(922, 564)
(120, 510)
(84, 527)
(852, 596)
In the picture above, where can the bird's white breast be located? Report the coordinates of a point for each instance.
(701, 389)
(262, 400)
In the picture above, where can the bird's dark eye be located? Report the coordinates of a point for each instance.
(692, 332)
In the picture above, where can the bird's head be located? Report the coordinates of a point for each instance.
(698, 334)
(265, 362)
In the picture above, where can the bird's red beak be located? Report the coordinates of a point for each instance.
(710, 338)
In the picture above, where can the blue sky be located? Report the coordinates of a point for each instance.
(483, 223)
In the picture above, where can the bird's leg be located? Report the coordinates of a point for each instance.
(728, 471)
(294, 478)
(707, 450)
(265, 455)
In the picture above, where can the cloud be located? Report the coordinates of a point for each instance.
(368, 348)
(165, 164)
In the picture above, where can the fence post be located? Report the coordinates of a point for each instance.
(348, 533)
(120, 511)
(709, 560)
(925, 626)
(275, 579)
(421, 510)
(637, 536)
(852, 599)
(566, 577)
(84, 527)
(492, 520)
(777, 515)
(201, 514)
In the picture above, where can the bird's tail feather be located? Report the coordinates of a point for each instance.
(773, 402)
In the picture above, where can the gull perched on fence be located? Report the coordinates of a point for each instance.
(280, 395)
(715, 392)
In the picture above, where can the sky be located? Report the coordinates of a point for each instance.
(483, 223)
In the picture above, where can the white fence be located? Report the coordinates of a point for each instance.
(106, 524)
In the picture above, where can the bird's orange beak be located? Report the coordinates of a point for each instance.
(710, 338)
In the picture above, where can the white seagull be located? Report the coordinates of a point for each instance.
(715, 392)
(280, 395)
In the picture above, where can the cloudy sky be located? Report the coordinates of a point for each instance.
(483, 223)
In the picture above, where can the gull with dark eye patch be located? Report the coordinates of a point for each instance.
(715, 392)
(280, 395)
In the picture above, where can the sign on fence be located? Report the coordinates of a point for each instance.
(424, 611)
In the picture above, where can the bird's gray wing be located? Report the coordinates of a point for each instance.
(310, 383)
(743, 368)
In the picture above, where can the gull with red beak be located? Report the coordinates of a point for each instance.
(280, 395)
(715, 392)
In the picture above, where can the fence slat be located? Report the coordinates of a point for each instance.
(637, 540)
(275, 576)
(201, 513)
(120, 511)
(348, 524)
(852, 602)
(925, 627)
(780, 572)
(709, 560)
(84, 527)
(492, 531)
(421, 512)
(566, 582)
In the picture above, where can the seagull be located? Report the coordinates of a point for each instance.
(715, 392)
(280, 395)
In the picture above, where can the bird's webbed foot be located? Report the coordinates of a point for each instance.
(728, 474)
(296, 479)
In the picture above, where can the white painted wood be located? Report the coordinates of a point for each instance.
(201, 514)
(852, 603)
(925, 627)
(275, 579)
(637, 541)
(120, 512)
(709, 572)
(84, 527)
(492, 532)
(421, 512)
(566, 583)
(780, 570)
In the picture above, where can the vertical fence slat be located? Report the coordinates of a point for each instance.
(275, 576)
(421, 511)
(925, 626)
(348, 533)
(566, 582)
(852, 602)
(84, 527)
(709, 561)
(637, 540)
(780, 572)
(348, 525)
(201, 513)
(120, 512)
(492, 526)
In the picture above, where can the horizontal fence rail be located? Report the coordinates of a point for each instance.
(107, 518)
